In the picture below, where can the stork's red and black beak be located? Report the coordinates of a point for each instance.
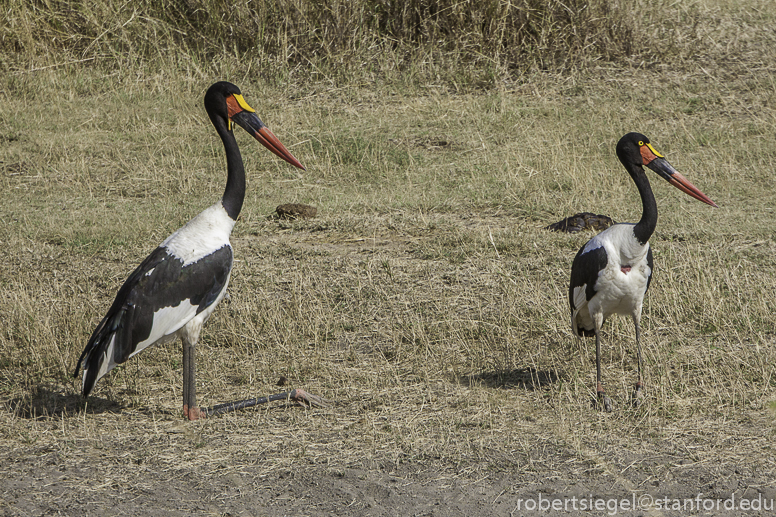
(245, 116)
(660, 165)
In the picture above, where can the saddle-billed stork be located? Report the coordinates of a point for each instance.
(611, 273)
(175, 289)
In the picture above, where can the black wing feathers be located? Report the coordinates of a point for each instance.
(159, 281)
(651, 268)
(584, 271)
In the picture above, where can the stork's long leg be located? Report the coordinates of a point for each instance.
(189, 337)
(190, 409)
(638, 394)
(598, 319)
(186, 360)
(297, 395)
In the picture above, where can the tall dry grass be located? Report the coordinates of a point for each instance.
(469, 41)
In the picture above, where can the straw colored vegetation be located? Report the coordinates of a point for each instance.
(425, 299)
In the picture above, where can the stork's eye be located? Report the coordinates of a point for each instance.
(641, 143)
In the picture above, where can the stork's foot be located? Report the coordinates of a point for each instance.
(638, 395)
(605, 401)
(305, 399)
(193, 413)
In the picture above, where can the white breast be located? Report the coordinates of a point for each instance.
(207, 232)
(619, 292)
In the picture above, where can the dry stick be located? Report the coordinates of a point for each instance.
(493, 242)
(297, 395)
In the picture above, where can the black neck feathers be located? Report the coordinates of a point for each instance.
(646, 226)
(234, 193)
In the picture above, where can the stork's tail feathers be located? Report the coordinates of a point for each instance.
(94, 354)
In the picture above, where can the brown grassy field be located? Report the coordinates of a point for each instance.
(425, 300)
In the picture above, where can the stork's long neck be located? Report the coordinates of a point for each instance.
(646, 226)
(234, 193)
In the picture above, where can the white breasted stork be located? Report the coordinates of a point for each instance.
(611, 273)
(176, 288)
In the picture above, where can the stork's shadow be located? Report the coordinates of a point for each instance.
(525, 378)
(47, 401)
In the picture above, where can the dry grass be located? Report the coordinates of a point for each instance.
(468, 44)
(424, 299)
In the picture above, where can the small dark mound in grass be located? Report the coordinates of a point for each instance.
(296, 211)
(581, 221)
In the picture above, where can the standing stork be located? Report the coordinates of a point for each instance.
(175, 289)
(611, 273)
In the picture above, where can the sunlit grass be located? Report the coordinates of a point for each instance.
(425, 298)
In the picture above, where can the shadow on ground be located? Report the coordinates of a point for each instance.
(526, 378)
(46, 401)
